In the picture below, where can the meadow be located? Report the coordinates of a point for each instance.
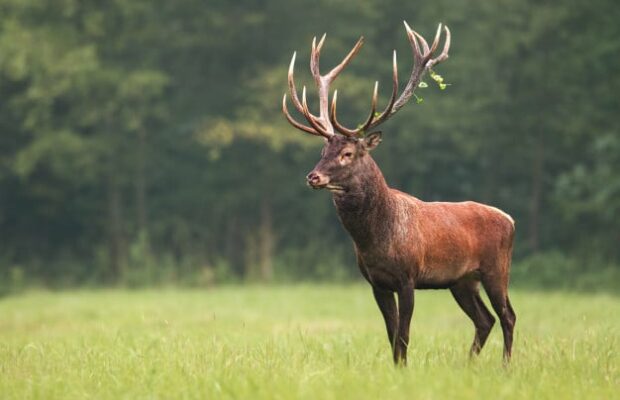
(297, 342)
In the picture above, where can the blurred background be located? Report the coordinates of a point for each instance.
(142, 142)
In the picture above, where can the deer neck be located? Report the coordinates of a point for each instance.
(366, 207)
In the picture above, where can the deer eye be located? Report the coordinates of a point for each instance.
(348, 154)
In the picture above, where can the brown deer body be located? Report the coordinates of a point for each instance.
(401, 242)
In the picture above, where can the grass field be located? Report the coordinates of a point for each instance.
(306, 342)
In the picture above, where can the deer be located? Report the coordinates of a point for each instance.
(401, 242)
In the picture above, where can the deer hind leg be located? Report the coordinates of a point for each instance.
(467, 296)
(497, 290)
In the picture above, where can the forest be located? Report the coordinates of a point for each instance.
(143, 143)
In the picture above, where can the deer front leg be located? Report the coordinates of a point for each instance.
(387, 304)
(405, 312)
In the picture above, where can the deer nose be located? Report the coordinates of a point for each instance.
(315, 179)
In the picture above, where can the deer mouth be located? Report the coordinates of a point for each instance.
(329, 186)
(334, 188)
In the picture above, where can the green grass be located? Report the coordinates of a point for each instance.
(303, 342)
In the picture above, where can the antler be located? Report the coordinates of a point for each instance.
(423, 61)
(319, 125)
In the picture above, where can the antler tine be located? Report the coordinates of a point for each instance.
(315, 54)
(436, 40)
(320, 46)
(425, 49)
(315, 124)
(444, 53)
(292, 121)
(340, 128)
(331, 75)
(371, 117)
(373, 108)
(291, 84)
(314, 59)
(411, 34)
(388, 109)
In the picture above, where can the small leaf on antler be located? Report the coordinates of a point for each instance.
(439, 79)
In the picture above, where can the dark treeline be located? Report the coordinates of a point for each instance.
(142, 141)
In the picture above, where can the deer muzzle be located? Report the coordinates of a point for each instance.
(317, 180)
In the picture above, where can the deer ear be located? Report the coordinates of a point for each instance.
(372, 140)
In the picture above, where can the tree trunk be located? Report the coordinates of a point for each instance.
(140, 187)
(233, 246)
(489, 190)
(258, 251)
(536, 194)
(266, 242)
(117, 249)
(250, 262)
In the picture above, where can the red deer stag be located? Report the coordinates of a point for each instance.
(403, 243)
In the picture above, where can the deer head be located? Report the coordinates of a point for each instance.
(346, 150)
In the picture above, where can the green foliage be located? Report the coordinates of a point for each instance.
(439, 80)
(143, 140)
(589, 194)
(554, 270)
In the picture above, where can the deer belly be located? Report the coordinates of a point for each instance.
(443, 276)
